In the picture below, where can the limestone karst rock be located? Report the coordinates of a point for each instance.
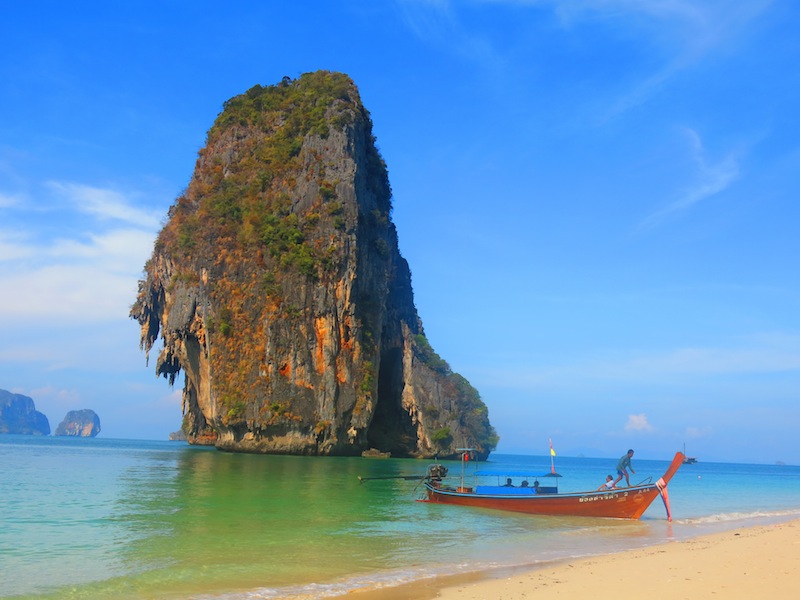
(278, 288)
(79, 423)
(18, 414)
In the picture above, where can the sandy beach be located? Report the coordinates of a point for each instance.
(754, 562)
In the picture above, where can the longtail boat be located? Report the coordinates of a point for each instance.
(619, 503)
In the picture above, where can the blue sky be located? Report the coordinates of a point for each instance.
(598, 200)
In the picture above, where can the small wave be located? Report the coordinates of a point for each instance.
(319, 591)
(609, 528)
(739, 516)
(379, 580)
(389, 579)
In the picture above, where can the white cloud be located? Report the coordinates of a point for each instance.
(638, 423)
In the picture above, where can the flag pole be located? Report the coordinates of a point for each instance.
(552, 454)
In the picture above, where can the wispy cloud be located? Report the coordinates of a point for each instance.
(84, 275)
(437, 22)
(685, 31)
(428, 19)
(79, 282)
(712, 179)
(753, 355)
(57, 401)
(692, 29)
(693, 433)
(760, 356)
(14, 245)
(571, 10)
(719, 361)
(703, 22)
(9, 200)
(105, 204)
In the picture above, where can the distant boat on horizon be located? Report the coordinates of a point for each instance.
(688, 460)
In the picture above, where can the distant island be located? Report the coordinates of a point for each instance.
(79, 423)
(18, 415)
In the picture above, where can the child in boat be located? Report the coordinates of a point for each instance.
(608, 485)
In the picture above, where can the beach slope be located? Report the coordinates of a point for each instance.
(755, 562)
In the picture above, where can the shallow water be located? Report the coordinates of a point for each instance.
(97, 518)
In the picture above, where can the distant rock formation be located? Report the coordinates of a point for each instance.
(177, 436)
(278, 288)
(373, 453)
(18, 414)
(79, 423)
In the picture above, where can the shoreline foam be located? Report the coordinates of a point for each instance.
(738, 563)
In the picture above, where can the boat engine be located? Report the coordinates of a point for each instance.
(436, 472)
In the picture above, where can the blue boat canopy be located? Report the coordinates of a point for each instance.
(515, 474)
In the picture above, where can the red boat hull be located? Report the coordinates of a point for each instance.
(622, 503)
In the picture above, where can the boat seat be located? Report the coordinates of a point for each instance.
(501, 490)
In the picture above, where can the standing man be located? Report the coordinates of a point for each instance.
(623, 464)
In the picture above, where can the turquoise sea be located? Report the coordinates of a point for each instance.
(125, 519)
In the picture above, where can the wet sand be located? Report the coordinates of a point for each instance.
(755, 562)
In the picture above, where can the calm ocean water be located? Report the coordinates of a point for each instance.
(123, 519)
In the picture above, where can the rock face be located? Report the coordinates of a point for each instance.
(277, 286)
(18, 414)
(79, 423)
